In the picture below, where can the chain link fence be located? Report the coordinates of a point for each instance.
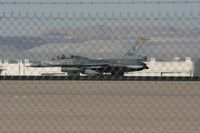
(147, 44)
(107, 53)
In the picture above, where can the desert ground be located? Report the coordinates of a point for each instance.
(99, 106)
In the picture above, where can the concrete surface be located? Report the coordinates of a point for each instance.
(99, 107)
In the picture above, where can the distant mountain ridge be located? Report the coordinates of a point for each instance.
(21, 42)
(103, 40)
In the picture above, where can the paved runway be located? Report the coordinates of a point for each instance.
(99, 107)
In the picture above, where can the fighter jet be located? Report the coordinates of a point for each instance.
(74, 64)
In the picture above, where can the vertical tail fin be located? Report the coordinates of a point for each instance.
(137, 45)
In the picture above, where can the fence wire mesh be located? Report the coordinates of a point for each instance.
(98, 2)
(99, 45)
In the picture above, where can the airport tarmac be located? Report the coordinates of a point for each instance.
(99, 107)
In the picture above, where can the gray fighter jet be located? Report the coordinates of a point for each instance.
(74, 64)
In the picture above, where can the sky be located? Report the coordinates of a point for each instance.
(89, 9)
(123, 8)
